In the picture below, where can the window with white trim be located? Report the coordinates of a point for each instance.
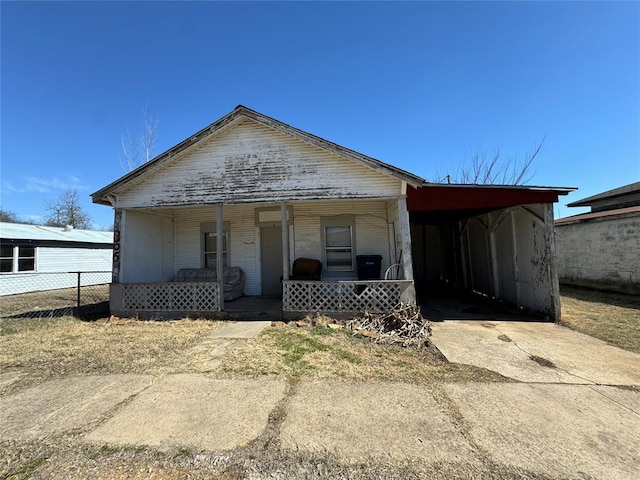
(209, 244)
(338, 244)
(211, 249)
(18, 258)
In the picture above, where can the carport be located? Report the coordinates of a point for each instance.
(496, 241)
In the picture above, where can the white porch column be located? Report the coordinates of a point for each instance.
(285, 241)
(409, 295)
(219, 250)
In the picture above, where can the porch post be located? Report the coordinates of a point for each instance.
(409, 295)
(117, 247)
(219, 255)
(552, 259)
(285, 241)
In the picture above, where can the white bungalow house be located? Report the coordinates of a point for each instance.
(264, 194)
(249, 199)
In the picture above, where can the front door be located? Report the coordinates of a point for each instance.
(271, 258)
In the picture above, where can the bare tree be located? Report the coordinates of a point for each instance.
(8, 216)
(485, 168)
(11, 217)
(139, 150)
(66, 210)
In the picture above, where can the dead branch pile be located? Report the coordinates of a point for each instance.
(403, 325)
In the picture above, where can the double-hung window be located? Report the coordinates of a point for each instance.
(19, 258)
(211, 249)
(209, 244)
(338, 244)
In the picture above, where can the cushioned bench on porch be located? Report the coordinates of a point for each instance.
(232, 279)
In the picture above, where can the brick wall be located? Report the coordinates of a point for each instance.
(601, 253)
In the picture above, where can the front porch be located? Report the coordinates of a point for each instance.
(299, 298)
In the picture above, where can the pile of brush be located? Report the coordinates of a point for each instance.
(403, 325)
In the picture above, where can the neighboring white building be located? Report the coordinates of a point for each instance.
(35, 258)
(601, 249)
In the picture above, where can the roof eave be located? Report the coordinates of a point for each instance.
(609, 194)
(558, 190)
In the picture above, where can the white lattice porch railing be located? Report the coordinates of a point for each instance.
(171, 296)
(343, 296)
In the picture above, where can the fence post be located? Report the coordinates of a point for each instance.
(78, 291)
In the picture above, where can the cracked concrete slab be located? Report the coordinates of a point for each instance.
(567, 431)
(507, 347)
(65, 405)
(195, 411)
(356, 421)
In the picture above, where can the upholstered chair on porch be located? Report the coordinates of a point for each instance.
(306, 269)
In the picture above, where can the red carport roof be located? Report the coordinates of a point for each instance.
(441, 198)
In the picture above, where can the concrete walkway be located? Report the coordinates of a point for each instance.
(226, 338)
(561, 430)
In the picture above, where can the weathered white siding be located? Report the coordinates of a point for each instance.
(601, 253)
(371, 229)
(147, 248)
(250, 162)
(374, 234)
(242, 239)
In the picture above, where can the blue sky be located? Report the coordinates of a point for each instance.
(420, 85)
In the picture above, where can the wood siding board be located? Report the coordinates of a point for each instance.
(146, 248)
(239, 116)
(371, 231)
(251, 163)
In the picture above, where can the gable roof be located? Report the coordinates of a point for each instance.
(609, 194)
(242, 112)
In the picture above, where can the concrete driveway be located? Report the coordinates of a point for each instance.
(536, 352)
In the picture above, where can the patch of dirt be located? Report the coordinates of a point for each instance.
(542, 361)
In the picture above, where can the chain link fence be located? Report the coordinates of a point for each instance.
(54, 294)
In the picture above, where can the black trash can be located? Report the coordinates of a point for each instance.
(369, 267)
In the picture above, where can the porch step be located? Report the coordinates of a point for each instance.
(249, 315)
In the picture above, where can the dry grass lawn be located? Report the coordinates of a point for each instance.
(321, 352)
(49, 348)
(612, 317)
